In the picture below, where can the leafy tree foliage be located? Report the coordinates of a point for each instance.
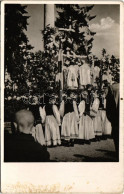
(16, 41)
(79, 39)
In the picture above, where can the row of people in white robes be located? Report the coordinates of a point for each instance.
(50, 119)
(94, 123)
(74, 122)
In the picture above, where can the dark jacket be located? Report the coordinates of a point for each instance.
(35, 111)
(112, 107)
(23, 148)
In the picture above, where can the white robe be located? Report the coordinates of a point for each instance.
(86, 130)
(52, 123)
(96, 72)
(97, 123)
(106, 125)
(72, 76)
(70, 122)
(85, 74)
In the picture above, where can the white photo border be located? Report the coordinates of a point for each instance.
(81, 177)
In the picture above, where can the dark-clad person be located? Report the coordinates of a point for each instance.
(21, 146)
(38, 114)
(112, 111)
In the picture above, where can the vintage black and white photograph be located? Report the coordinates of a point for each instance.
(61, 82)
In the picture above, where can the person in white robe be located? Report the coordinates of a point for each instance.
(69, 111)
(72, 78)
(85, 73)
(106, 125)
(86, 130)
(96, 72)
(37, 130)
(95, 113)
(51, 118)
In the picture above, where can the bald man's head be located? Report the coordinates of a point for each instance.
(24, 120)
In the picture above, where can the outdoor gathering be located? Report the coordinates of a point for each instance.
(61, 83)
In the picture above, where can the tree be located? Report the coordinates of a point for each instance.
(49, 57)
(79, 39)
(76, 38)
(103, 52)
(113, 59)
(16, 41)
(17, 45)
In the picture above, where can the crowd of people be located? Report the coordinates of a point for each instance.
(78, 118)
(82, 113)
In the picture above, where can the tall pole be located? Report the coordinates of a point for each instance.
(60, 71)
(44, 15)
(49, 15)
(101, 65)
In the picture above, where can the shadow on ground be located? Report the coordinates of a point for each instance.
(111, 154)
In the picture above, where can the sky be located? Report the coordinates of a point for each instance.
(106, 25)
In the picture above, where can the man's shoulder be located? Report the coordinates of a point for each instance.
(23, 148)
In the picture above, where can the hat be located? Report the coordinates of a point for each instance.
(53, 95)
(64, 95)
(89, 87)
(73, 94)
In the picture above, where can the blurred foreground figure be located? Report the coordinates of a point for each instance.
(112, 110)
(21, 146)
